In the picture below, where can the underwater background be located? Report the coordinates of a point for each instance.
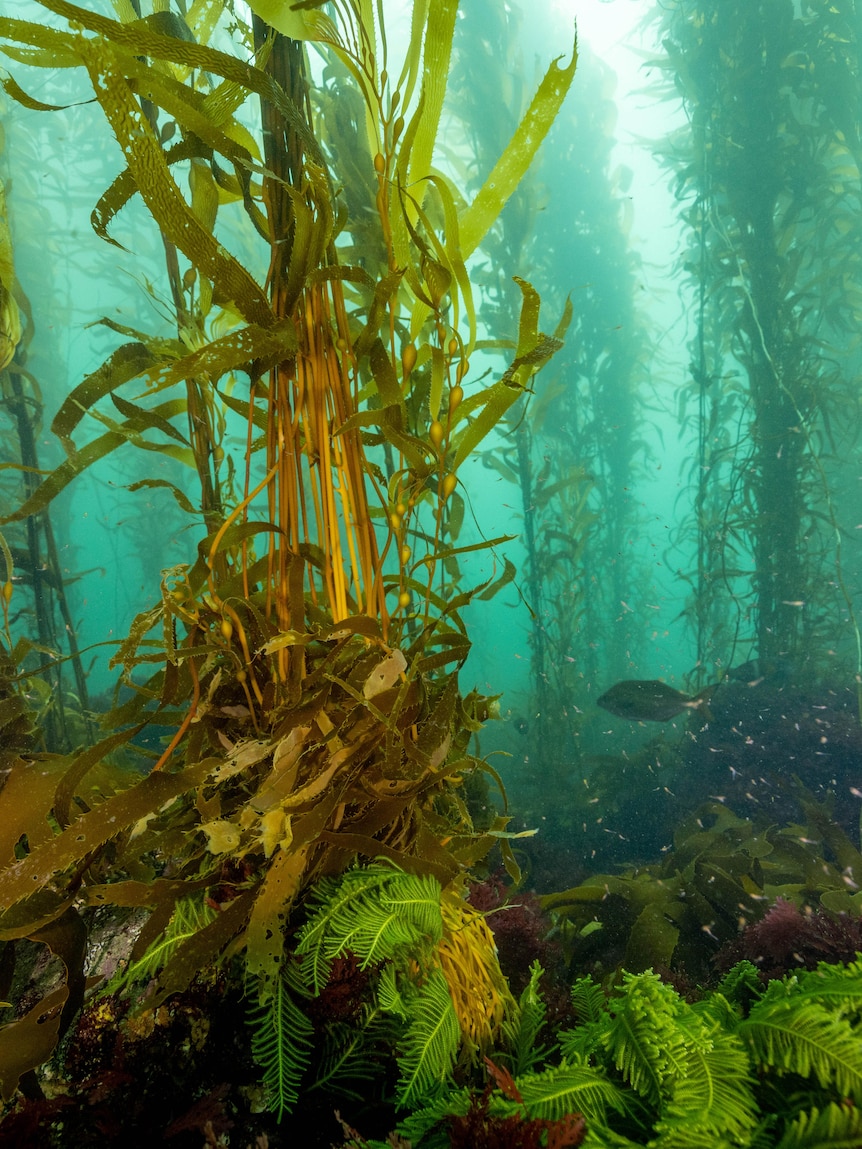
(593, 494)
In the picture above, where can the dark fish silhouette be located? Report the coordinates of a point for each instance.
(649, 700)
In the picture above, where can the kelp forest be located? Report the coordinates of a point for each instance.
(430, 655)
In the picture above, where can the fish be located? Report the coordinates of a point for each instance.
(650, 700)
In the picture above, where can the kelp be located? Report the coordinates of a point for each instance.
(774, 268)
(10, 319)
(117, 75)
(306, 661)
(720, 874)
(430, 43)
(315, 789)
(34, 549)
(567, 449)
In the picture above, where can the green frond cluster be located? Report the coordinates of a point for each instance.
(588, 1000)
(687, 1069)
(189, 917)
(354, 1053)
(523, 1028)
(430, 1042)
(806, 1039)
(389, 996)
(590, 1006)
(644, 1039)
(713, 1094)
(741, 985)
(391, 922)
(570, 1088)
(837, 987)
(374, 913)
(420, 1126)
(835, 1127)
(646, 1068)
(281, 1045)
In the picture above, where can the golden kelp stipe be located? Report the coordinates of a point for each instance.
(310, 399)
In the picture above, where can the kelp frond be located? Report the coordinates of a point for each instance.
(304, 736)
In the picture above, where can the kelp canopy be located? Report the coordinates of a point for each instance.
(767, 179)
(307, 658)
